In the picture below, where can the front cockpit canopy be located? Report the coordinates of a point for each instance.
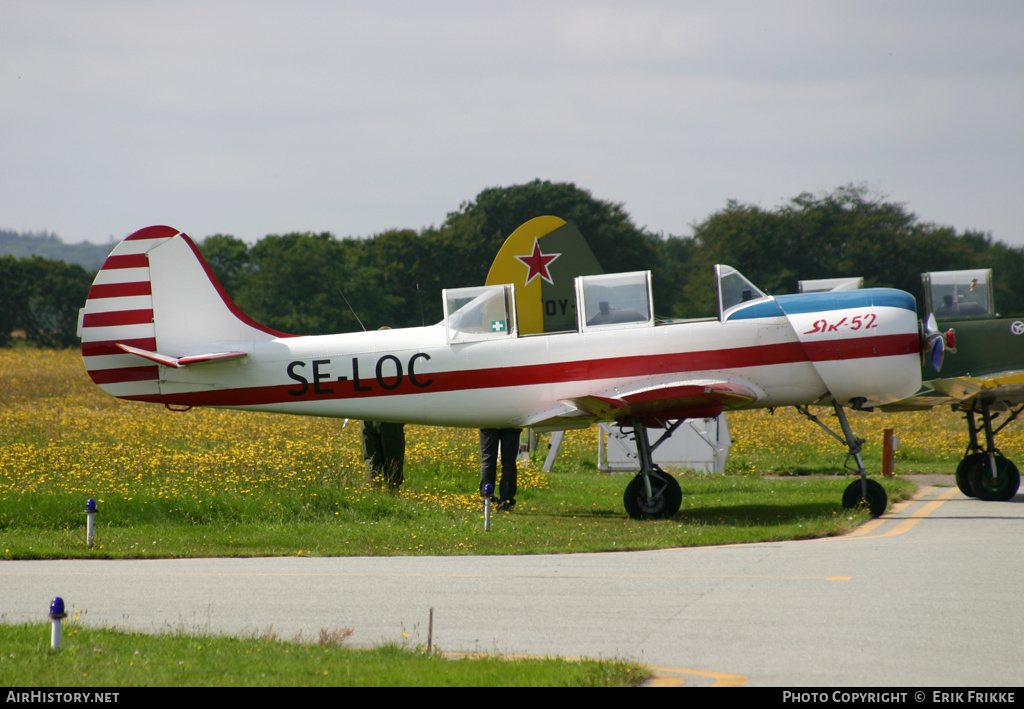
(734, 290)
(479, 313)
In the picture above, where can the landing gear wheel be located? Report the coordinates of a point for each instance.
(1002, 487)
(666, 500)
(876, 499)
(963, 473)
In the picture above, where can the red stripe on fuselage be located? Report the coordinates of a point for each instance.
(827, 351)
(682, 363)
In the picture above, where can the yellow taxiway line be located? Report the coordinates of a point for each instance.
(905, 524)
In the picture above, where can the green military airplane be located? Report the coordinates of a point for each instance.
(979, 356)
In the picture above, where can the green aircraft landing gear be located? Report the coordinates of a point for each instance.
(984, 472)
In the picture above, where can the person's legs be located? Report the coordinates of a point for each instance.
(489, 438)
(392, 440)
(509, 472)
(373, 452)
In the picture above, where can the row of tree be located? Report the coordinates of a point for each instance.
(301, 282)
(847, 232)
(305, 283)
(316, 283)
(39, 300)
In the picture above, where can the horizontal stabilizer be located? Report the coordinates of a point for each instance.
(176, 362)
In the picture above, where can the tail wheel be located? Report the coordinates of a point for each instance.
(876, 500)
(1001, 487)
(665, 500)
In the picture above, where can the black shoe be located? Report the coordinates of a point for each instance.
(506, 505)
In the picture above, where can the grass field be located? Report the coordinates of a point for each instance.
(213, 482)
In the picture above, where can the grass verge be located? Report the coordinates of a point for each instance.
(93, 657)
(579, 512)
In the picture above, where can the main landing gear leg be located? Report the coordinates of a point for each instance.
(863, 491)
(984, 472)
(653, 493)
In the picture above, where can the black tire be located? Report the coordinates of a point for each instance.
(665, 503)
(963, 473)
(876, 499)
(1002, 487)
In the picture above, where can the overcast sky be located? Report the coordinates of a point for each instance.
(249, 117)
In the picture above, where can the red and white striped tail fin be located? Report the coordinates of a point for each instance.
(156, 303)
(119, 310)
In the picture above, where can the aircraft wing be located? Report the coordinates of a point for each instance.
(964, 391)
(666, 399)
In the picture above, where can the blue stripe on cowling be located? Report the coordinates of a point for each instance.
(822, 302)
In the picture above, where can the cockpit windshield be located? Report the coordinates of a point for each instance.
(480, 313)
(954, 294)
(734, 289)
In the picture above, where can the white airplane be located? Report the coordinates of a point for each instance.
(158, 327)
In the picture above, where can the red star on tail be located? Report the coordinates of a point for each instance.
(538, 263)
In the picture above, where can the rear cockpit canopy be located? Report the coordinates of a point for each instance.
(615, 300)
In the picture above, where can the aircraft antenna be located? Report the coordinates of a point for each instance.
(338, 288)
